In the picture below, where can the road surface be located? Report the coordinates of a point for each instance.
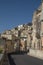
(24, 60)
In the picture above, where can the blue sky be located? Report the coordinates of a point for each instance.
(16, 12)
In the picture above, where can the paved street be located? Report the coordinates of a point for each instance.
(24, 60)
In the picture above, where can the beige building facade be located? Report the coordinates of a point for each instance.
(37, 33)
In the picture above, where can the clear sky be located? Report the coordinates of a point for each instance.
(16, 12)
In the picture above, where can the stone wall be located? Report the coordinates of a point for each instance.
(36, 53)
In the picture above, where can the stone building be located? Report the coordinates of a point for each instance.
(15, 31)
(7, 42)
(18, 39)
(29, 36)
(9, 46)
(2, 44)
(37, 24)
(25, 37)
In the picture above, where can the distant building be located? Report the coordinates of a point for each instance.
(8, 36)
(2, 45)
